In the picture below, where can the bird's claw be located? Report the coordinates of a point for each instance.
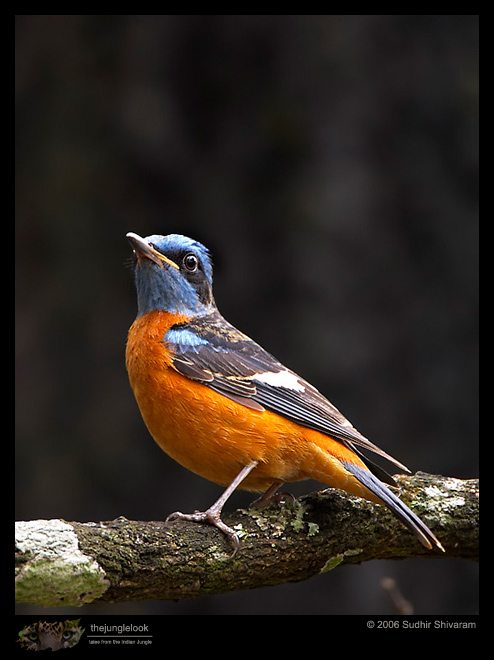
(211, 517)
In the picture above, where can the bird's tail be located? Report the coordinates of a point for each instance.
(389, 499)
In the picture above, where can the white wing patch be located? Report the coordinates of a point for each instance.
(284, 378)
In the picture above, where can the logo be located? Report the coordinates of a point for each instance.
(55, 635)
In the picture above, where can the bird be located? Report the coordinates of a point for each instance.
(224, 408)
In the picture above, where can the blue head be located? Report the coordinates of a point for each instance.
(173, 273)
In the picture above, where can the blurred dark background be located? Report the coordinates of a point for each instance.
(331, 165)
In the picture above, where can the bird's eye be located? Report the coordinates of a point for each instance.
(191, 262)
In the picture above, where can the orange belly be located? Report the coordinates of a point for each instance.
(215, 437)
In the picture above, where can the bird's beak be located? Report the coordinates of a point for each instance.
(144, 250)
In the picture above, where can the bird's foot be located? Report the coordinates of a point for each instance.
(212, 517)
(264, 501)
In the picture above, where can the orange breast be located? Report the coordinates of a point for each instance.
(215, 437)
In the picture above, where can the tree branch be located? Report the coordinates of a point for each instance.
(66, 564)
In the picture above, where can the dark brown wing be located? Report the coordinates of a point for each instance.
(212, 351)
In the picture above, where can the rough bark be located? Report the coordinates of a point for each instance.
(62, 563)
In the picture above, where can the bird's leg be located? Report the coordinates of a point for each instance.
(270, 496)
(212, 515)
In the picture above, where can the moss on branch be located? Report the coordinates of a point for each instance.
(71, 563)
